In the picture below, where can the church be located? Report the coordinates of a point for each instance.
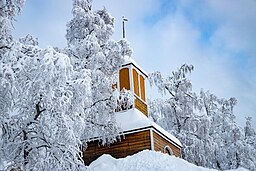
(139, 132)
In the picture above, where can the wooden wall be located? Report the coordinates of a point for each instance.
(131, 144)
(141, 106)
(160, 143)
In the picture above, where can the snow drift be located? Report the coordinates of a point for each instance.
(146, 161)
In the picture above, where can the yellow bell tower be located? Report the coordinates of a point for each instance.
(132, 77)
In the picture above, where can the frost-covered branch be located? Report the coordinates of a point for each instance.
(204, 123)
(51, 103)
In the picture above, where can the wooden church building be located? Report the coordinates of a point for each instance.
(139, 132)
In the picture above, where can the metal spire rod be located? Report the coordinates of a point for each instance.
(124, 19)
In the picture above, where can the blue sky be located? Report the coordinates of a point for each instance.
(216, 36)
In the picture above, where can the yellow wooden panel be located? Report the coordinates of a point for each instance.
(141, 106)
(135, 82)
(142, 88)
(124, 79)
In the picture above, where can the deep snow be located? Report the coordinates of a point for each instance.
(146, 161)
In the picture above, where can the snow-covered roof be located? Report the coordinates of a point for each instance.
(129, 60)
(133, 119)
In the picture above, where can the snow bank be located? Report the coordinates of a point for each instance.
(146, 161)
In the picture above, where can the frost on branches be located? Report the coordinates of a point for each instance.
(8, 10)
(204, 123)
(44, 99)
(51, 103)
(90, 47)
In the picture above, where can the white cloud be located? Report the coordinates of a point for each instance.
(237, 24)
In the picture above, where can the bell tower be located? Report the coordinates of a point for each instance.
(132, 77)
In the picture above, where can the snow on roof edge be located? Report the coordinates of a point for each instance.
(133, 119)
(167, 134)
(129, 60)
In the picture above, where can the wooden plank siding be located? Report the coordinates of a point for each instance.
(141, 106)
(129, 145)
(160, 143)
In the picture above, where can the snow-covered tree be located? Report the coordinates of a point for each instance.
(180, 102)
(90, 47)
(8, 10)
(249, 131)
(204, 123)
(52, 103)
(44, 120)
(250, 150)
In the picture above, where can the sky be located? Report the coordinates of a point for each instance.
(217, 37)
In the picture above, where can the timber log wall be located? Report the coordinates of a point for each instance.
(130, 144)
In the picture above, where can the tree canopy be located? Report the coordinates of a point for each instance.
(53, 100)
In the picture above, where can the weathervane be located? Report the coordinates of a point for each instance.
(124, 19)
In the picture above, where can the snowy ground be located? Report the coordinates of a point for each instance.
(146, 161)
